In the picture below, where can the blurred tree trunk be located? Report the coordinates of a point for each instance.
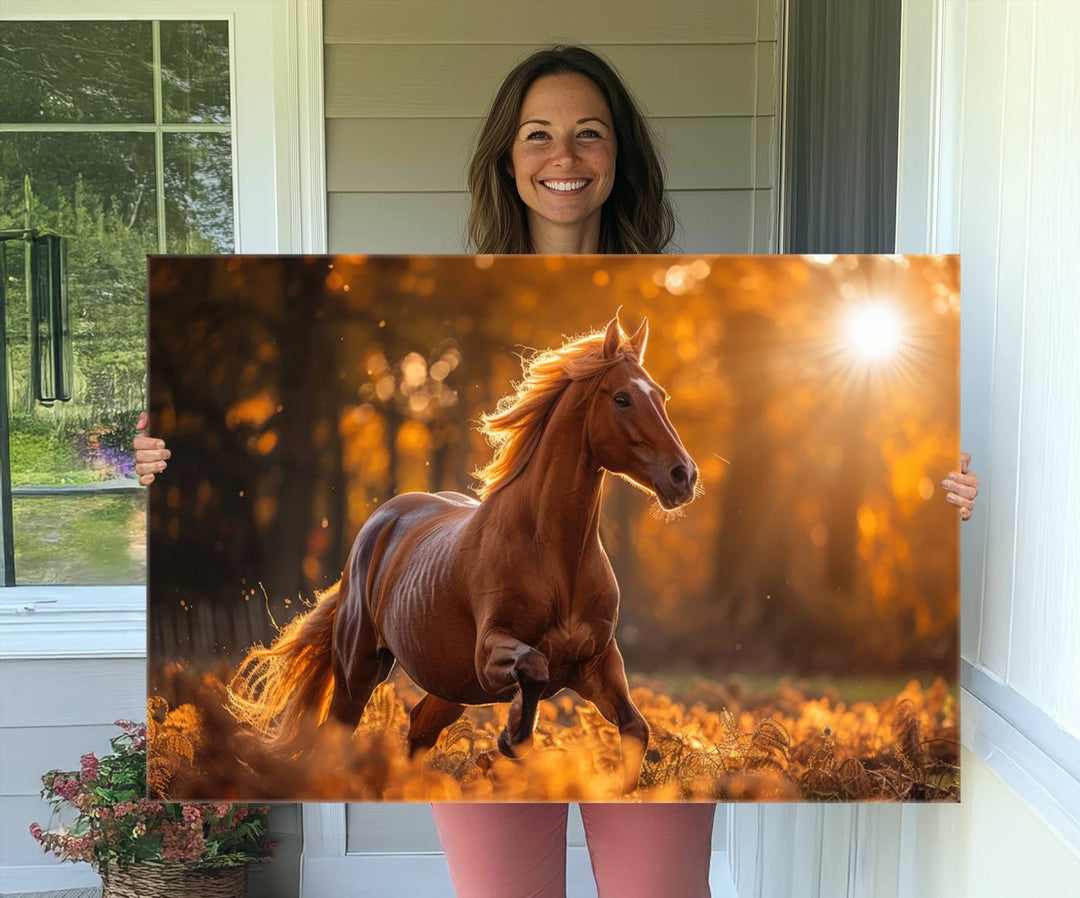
(843, 509)
(306, 373)
(751, 554)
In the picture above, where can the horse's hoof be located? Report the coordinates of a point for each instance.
(515, 752)
(504, 744)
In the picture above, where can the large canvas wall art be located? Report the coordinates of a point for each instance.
(657, 528)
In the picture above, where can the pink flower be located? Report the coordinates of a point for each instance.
(181, 842)
(151, 808)
(65, 788)
(79, 848)
(192, 813)
(123, 808)
(36, 831)
(89, 767)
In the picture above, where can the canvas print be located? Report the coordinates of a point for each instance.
(593, 528)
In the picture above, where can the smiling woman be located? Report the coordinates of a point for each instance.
(563, 117)
(563, 158)
(556, 105)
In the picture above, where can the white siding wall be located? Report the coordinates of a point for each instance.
(53, 711)
(990, 138)
(1015, 217)
(408, 82)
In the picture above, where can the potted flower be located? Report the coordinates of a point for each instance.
(142, 847)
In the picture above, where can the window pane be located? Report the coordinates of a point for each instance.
(81, 540)
(195, 71)
(98, 191)
(76, 72)
(79, 180)
(198, 193)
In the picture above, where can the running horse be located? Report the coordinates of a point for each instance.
(511, 598)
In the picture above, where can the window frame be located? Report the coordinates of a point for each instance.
(276, 60)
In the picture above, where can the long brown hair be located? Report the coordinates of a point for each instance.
(637, 216)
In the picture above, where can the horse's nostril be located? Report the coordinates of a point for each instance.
(680, 477)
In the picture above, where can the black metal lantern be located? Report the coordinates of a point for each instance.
(51, 360)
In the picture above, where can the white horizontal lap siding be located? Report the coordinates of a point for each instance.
(480, 22)
(52, 712)
(408, 83)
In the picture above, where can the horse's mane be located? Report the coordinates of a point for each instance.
(515, 427)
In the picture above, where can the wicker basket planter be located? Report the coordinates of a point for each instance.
(158, 880)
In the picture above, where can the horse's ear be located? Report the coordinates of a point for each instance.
(639, 339)
(613, 336)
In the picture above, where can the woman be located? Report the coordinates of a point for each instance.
(565, 164)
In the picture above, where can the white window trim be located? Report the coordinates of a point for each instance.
(1034, 757)
(73, 622)
(279, 164)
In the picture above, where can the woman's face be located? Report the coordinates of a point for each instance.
(563, 154)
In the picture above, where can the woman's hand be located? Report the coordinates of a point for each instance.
(961, 487)
(150, 454)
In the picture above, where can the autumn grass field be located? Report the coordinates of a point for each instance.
(709, 741)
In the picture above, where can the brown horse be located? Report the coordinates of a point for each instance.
(508, 599)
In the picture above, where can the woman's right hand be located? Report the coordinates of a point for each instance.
(150, 453)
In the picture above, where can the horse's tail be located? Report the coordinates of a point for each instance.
(283, 690)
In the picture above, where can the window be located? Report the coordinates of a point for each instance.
(278, 180)
(117, 135)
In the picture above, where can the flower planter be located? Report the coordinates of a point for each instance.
(174, 881)
(146, 848)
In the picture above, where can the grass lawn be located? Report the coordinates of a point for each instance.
(80, 540)
(847, 688)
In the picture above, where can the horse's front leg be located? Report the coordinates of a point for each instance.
(602, 681)
(503, 660)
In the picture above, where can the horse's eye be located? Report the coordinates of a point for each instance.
(622, 400)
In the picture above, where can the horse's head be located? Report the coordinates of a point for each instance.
(628, 427)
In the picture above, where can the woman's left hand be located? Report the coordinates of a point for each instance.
(961, 487)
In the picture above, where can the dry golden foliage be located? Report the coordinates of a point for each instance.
(785, 747)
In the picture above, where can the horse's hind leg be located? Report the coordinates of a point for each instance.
(353, 685)
(428, 718)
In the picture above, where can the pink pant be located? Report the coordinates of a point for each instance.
(510, 850)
